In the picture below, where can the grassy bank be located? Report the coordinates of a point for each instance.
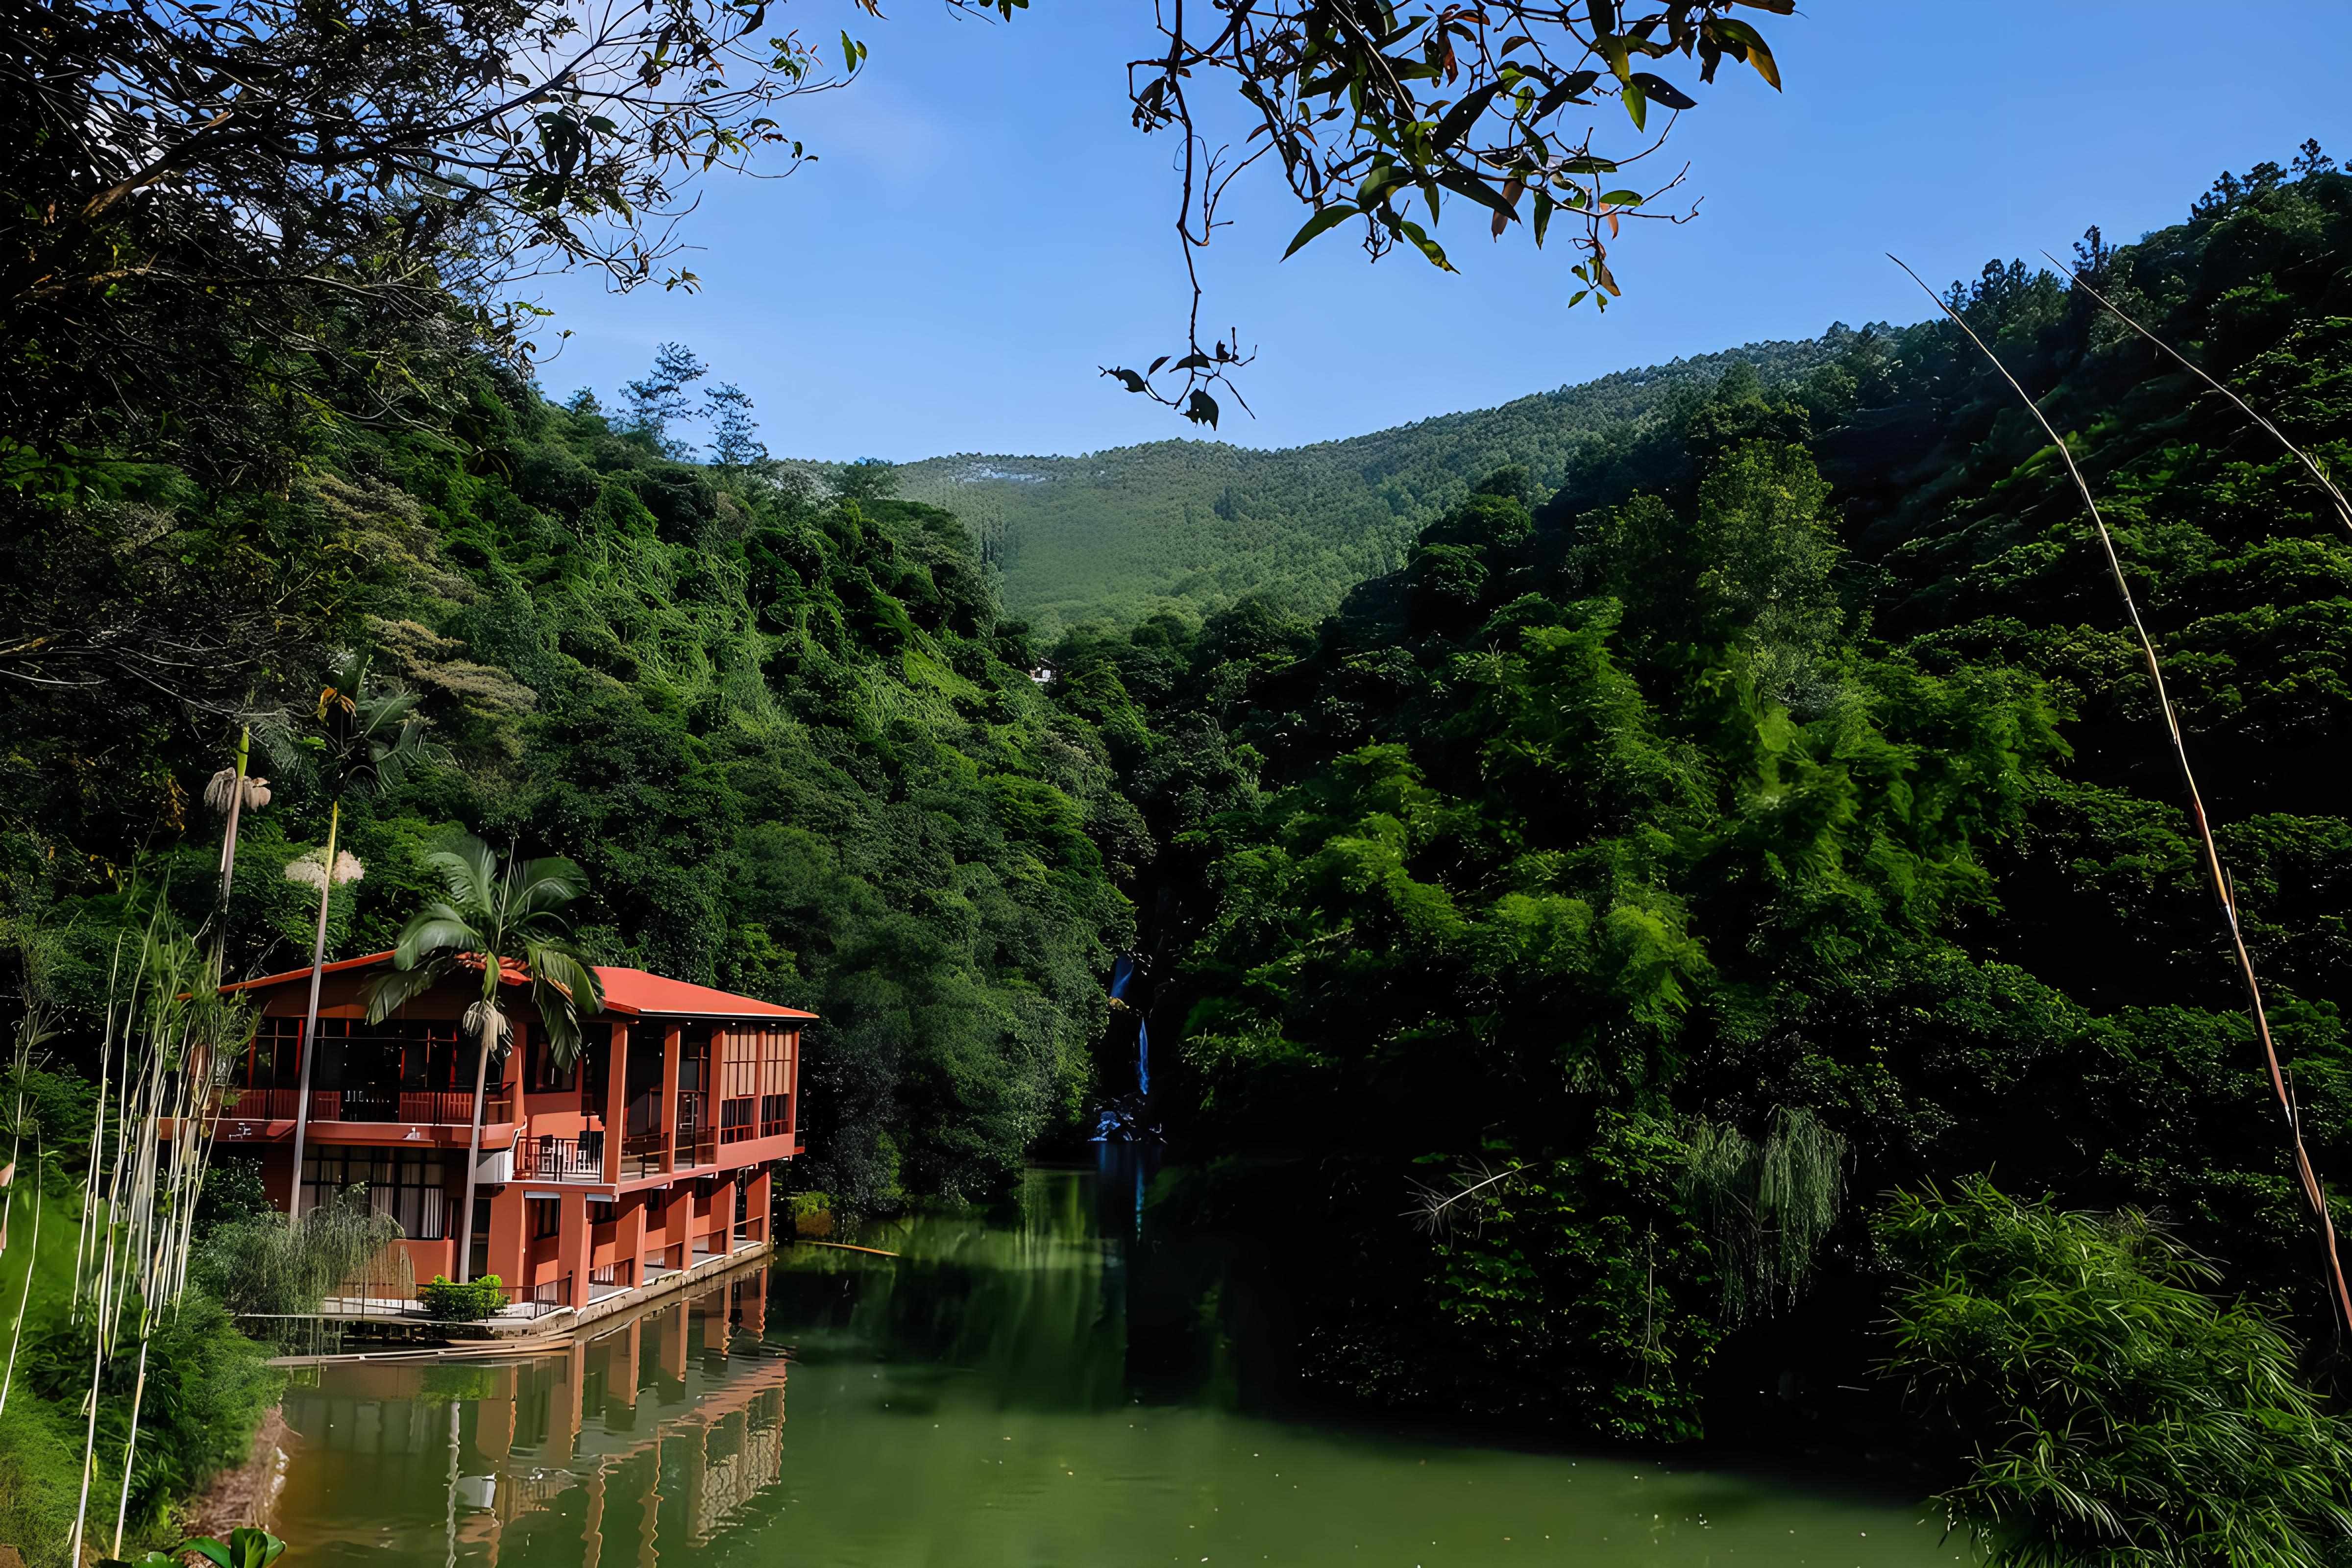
(207, 1390)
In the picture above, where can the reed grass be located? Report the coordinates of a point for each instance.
(2216, 875)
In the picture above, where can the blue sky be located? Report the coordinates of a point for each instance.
(983, 228)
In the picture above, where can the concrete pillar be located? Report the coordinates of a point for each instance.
(507, 1241)
(629, 1235)
(678, 1218)
(759, 1200)
(722, 1216)
(511, 1071)
(617, 1101)
(670, 1041)
(572, 1245)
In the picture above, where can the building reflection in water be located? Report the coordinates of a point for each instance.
(646, 1438)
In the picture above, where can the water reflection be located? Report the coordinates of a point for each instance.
(1023, 1390)
(651, 1435)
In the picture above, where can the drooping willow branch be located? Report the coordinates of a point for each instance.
(2217, 877)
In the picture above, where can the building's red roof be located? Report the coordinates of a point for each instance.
(632, 992)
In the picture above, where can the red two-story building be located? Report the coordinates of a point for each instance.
(646, 1155)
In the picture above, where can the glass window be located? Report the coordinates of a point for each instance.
(406, 1183)
(546, 1217)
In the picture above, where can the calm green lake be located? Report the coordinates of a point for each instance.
(980, 1402)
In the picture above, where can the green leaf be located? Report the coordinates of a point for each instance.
(1664, 91)
(1428, 247)
(1620, 199)
(1573, 85)
(1752, 42)
(1330, 217)
(1464, 115)
(1637, 104)
(1602, 15)
(1544, 204)
(1462, 182)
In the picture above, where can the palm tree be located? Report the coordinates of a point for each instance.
(365, 742)
(493, 919)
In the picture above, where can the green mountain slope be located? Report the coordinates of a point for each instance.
(1196, 524)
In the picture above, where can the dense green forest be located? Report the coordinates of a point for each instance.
(1662, 868)
(1192, 526)
(1672, 894)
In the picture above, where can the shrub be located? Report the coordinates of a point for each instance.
(269, 1266)
(463, 1303)
(2129, 1419)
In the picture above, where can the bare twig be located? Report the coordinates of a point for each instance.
(1430, 1209)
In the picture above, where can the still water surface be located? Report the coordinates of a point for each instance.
(976, 1404)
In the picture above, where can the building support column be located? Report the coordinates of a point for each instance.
(671, 1038)
(509, 1245)
(573, 1247)
(616, 1100)
(629, 1235)
(677, 1218)
(722, 1217)
(759, 1200)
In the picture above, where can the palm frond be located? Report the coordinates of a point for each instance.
(436, 928)
(547, 883)
(395, 988)
(469, 871)
(566, 989)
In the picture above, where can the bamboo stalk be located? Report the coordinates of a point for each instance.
(310, 1046)
(2216, 875)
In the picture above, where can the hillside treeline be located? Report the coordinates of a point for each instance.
(1706, 939)
(1193, 526)
(1579, 938)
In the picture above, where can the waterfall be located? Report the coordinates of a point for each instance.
(1126, 1119)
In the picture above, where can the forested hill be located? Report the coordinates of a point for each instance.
(1660, 872)
(1194, 525)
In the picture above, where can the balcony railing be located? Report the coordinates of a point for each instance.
(433, 1108)
(641, 1155)
(611, 1278)
(550, 1159)
(385, 1299)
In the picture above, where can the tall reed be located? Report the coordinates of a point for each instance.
(172, 1025)
(2216, 875)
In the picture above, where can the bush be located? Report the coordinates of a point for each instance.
(463, 1303)
(269, 1266)
(2130, 1419)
